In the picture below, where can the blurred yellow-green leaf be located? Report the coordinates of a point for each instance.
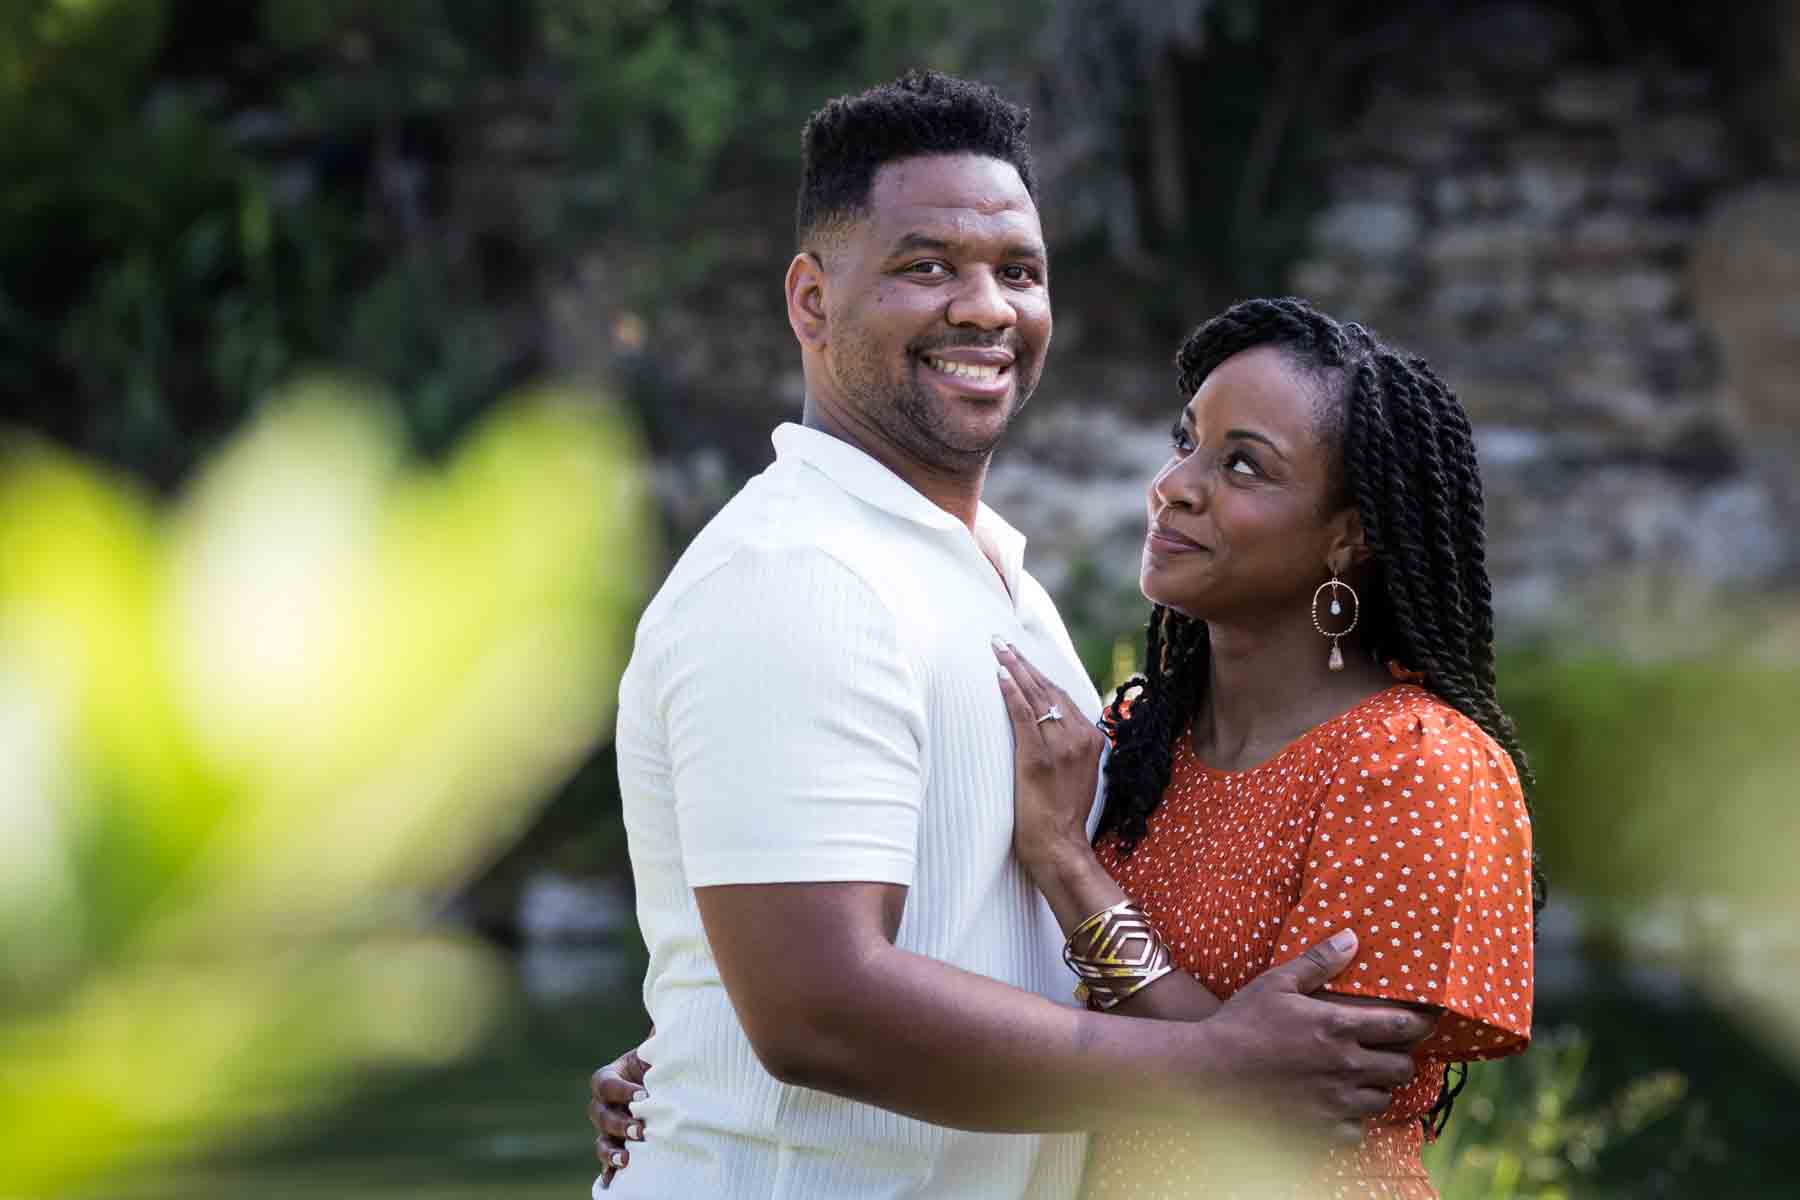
(249, 731)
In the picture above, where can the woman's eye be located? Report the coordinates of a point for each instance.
(1179, 439)
(1238, 463)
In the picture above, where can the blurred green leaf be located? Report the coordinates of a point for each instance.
(252, 730)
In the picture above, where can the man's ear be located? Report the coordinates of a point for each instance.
(1349, 548)
(806, 299)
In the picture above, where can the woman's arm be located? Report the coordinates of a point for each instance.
(1056, 763)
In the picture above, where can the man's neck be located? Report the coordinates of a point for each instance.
(957, 493)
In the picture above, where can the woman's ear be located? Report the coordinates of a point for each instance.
(1349, 549)
(806, 299)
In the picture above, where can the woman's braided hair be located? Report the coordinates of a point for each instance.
(1409, 464)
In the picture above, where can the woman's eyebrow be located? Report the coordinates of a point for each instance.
(1250, 435)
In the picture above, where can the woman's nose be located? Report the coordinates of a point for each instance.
(1179, 485)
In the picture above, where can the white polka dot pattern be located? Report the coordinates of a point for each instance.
(1399, 819)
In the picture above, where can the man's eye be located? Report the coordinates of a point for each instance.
(1020, 274)
(931, 269)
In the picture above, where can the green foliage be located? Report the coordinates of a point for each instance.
(197, 202)
(1527, 1128)
(183, 226)
(1683, 769)
(672, 100)
(1105, 618)
(246, 728)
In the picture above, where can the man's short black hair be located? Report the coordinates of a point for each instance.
(922, 112)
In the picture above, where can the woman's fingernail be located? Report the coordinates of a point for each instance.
(1000, 643)
(640, 1094)
(635, 1131)
(618, 1158)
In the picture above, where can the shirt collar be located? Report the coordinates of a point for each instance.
(859, 474)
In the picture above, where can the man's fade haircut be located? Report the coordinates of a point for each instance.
(923, 112)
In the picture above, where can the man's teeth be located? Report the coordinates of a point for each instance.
(965, 370)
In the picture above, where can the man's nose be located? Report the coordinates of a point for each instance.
(981, 301)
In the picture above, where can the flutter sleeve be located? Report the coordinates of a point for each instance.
(1423, 846)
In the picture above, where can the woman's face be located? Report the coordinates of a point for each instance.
(1244, 517)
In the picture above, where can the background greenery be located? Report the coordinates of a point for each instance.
(201, 203)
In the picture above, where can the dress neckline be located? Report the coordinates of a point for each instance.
(1304, 739)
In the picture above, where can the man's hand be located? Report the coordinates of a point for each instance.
(1319, 1062)
(613, 1089)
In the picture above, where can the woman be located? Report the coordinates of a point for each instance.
(1315, 741)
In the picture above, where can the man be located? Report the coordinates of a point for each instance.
(855, 991)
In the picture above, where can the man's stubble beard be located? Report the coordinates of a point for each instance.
(910, 418)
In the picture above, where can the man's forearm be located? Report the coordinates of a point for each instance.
(916, 1036)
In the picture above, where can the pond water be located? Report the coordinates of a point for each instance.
(508, 1122)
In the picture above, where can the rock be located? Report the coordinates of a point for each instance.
(1514, 39)
(1744, 276)
(1372, 290)
(1611, 297)
(1320, 280)
(1632, 184)
(1409, 128)
(1737, 534)
(558, 908)
(1618, 233)
(1510, 289)
(1550, 188)
(1369, 228)
(1695, 146)
(1476, 113)
(1473, 192)
(1609, 98)
(1502, 449)
(1393, 185)
(1477, 244)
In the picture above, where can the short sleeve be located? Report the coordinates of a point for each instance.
(1423, 847)
(795, 727)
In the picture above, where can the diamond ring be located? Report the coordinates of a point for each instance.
(1055, 714)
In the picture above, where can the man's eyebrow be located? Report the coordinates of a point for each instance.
(912, 242)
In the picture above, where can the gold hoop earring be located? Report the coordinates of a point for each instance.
(1335, 661)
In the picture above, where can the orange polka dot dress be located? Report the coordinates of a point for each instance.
(1399, 819)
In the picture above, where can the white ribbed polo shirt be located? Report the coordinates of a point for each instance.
(812, 697)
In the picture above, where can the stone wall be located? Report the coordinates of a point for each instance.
(1530, 224)
(1598, 255)
(1589, 255)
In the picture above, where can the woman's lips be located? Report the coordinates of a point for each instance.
(1163, 540)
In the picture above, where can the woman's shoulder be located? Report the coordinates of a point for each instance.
(1410, 726)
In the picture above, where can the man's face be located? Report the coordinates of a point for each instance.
(938, 306)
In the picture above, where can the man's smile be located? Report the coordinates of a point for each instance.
(963, 370)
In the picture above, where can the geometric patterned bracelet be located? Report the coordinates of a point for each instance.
(1115, 953)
